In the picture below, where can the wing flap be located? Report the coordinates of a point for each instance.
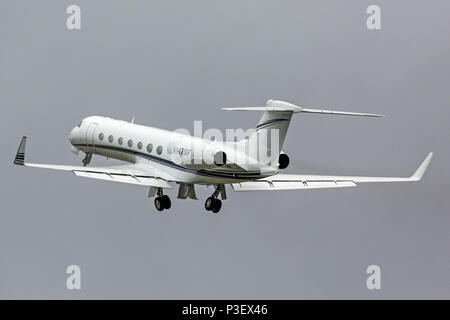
(297, 181)
(140, 180)
(289, 185)
(140, 174)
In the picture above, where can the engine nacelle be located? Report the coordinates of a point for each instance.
(198, 155)
(283, 161)
(220, 158)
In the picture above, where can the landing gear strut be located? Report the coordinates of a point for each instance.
(162, 201)
(213, 203)
(87, 159)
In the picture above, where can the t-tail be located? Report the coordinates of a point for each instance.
(271, 130)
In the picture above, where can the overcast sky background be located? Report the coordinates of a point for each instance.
(169, 63)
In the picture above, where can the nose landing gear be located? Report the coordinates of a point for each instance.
(87, 159)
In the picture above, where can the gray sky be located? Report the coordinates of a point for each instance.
(170, 63)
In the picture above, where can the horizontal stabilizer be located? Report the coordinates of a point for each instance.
(342, 113)
(281, 106)
(294, 109)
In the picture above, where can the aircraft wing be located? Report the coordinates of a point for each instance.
(133, 173)
(294, 181)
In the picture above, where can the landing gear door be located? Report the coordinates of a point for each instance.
(90, 135)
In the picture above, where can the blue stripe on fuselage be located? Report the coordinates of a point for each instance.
(203, 172)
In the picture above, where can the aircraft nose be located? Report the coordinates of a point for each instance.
(72, 135)
(73, 139)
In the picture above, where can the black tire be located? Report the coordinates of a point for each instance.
(159, 204)
(166, 202)
(217, 205)
(209, 204)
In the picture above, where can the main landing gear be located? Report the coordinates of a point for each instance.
(213, 203)
(162, 201)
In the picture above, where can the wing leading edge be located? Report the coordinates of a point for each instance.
(295, 181)
(133, 174)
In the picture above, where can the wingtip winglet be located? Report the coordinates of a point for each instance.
(20, 155)
(422, 168)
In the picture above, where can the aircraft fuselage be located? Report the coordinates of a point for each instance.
(171, 152)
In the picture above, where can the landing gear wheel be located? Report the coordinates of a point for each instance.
(209, 203)
(216, 205)
(159, 203)
(166, 201)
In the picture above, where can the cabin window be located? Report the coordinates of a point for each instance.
(130, 143)
(101, 136)
(149, 148)
(120, 140)
(159, 150)
(139, 145)
(111, 139)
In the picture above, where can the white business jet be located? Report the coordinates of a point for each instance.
(157, 158)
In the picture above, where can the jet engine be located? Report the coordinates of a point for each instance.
(220, 158)
(283, 161)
